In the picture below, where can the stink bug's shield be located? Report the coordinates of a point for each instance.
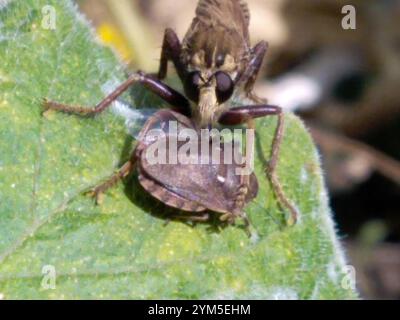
(195, 185)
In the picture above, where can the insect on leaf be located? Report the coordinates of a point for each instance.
(56, 243)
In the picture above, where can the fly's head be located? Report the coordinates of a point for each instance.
(209, 87)
(214, 54)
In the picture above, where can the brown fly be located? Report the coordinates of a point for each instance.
(214, 61)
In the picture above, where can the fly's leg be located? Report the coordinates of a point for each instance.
(240, 115)
(171, 50)
(271, 170)
(174, 98)
(251, 73)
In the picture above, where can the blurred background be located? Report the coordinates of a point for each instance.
(345, 84)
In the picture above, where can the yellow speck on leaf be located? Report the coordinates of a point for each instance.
(238, 285)
(3, 103)
(289, 253)
(186, 244)
(222, 262)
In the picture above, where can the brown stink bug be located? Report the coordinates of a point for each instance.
(214, 61)
(193, 186)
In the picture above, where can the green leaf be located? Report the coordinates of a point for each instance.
(124, 248)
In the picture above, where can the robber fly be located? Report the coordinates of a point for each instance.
(214, 61)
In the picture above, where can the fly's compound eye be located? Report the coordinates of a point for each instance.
(225, 86)
(191, 85)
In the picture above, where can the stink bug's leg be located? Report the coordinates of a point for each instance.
(227, 217)
(196, 218)
(178, 101)
(247, 224)
(240, 115)
(171, 50)
(230, 219)
(123, 172)
(251, 73)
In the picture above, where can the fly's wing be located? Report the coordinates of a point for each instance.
(162, 123)
(233, 14)
(219, 28)
(142, 120)
(134, 118)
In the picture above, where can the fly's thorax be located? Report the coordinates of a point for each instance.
(218, 36)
